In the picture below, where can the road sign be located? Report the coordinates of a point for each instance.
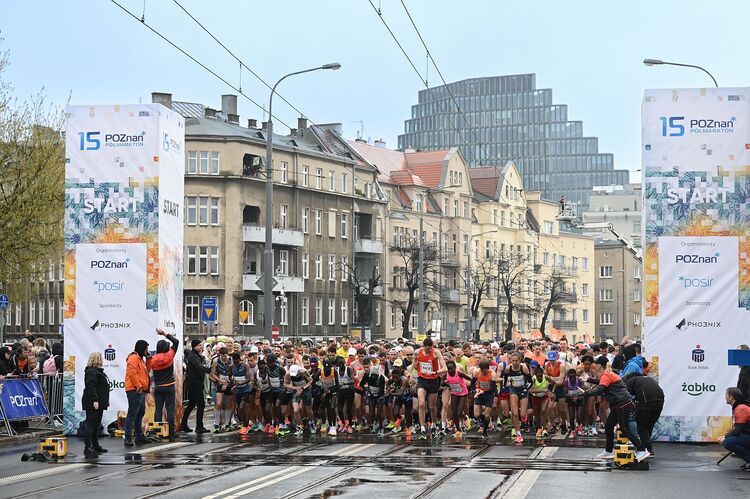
(209, 309)
(244, 316)
(4, 302)
(261, 281)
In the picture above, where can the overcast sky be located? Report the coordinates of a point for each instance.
(588, 52)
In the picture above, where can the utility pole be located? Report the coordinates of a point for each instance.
(420, 317)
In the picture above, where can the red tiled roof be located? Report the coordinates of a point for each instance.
(405, 201)
(486, 179)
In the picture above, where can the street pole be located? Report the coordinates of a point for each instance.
(420, 317)
(268, 302)
(467, 334)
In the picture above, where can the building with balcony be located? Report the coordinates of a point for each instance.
(619, 205)
(619, 292)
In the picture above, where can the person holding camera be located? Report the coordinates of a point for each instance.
(95, 401)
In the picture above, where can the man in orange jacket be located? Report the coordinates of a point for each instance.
(136, 388)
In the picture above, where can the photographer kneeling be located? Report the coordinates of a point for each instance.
(737, 440)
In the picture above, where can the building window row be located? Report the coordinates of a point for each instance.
(202, 210)
(202, 163)
(202, 260)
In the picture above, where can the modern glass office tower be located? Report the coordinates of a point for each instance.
(513, 120)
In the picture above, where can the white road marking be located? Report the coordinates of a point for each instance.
(148, 450)
(527, 478)
(278, 476)
(41, 473)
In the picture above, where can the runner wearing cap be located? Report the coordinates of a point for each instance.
(517, 380)
(329, 386)
(223, 401)
(345, 376)
(242, 384)
(429, 366)
(298, 383)
(373, 385)
(555, 372)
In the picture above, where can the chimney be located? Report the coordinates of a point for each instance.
(162, 98)
(210, 113)
(380, 143)
(360, 139)
(301, 123)
(233, 118)
(251, 123)
(229, 105)
(292, 131)
(264, 125)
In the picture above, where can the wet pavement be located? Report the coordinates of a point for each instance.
(317, 466)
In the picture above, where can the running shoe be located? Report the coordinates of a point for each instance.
(513, 432)
(332, 431)
(593, 431)
(228, 428)
(573, 434)
(244, 430)
(458, 434)
(539, 433)
(380, 431)
(217, 428)
(579, 429)
(396, 429)
(641, 455)
(605, 455)
(408, 433)
(299, 432)
(563, 429)
(390, 425)
(349, 430)
(324, 427)
(423, 435)
(545, 434)
(468, 424)
(519, 439)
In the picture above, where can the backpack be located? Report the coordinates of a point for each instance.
(49, 366)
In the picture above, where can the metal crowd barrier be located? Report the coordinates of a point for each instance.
(52, 384)
(37, 404)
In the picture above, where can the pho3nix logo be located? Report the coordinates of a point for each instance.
(92, 141)
(98, 326)
(110, 353)
(686, 324)
(675, 126)
(699, 355)
(697, 389)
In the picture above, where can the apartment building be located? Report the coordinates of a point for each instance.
(41, 310)
(619, 292)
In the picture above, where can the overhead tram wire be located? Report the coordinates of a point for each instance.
(189, 56)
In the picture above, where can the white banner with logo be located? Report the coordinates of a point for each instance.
(696, 161)
(123, 241)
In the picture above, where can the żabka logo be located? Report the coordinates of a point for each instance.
(697, 389)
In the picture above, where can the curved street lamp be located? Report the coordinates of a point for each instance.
(657, 62)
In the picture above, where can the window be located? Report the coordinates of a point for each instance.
(545, 258)
(305, 311)
(605, 319)
(192, 207)
(203, 211)
(214, 260)
(192, 309)
(455, 207)
(547, 227)
(41, 313)
(466, 209)
(32, 313)
(344, 268)
(636, 319)
(203, 260)
(466, 245)
(318, 222)
(319, 266)
(51, 272)
(419, 205)
(247, 306)
(585, 289)
(331, 311)
(585, 263)
(344, 312)
(585, 317)
(331, 180)
(18, 315)
(203, 164)
(191, 260)
(605, 295)
(502, 218)
(305, 265)
(413, 320)
(331, 267)
(283, 215)
(305, 175)
(214, 162)
(637, 229)
(377, 313)
(605, 272)
(283, 263)
(283, 311)
(493, 220)
(344, 225)
(574, 263)
(344, 183)
(318, 178)
(284, 169)
(637, 294)
(214, 211)
(62, 269)
(636, 272)
(318, 311)
(305, 220)
(393, 317)
(488, 249)
(60, 311)
(331, 224)
(192, 163)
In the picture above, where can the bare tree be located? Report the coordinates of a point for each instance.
(363, 290)
(512, 268)
(406, 276)
(484, 275)
(553, 294)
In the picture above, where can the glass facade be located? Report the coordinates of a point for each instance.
(513, 120)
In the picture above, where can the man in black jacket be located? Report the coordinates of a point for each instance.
(649, 398)
(194, 377)
(743, 381)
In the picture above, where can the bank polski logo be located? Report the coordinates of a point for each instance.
(699, 354)
(697, 389)
(110, 353)
(695, 282)
(676, 126)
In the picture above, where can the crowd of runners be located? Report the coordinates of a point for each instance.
(531, 389)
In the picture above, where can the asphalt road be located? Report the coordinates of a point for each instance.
(228, 466)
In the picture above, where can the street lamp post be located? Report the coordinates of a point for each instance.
(657, 62)
(468, 282)
(268, 302)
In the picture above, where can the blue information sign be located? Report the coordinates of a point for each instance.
(208, 310)
(22, 399)
(4, 302)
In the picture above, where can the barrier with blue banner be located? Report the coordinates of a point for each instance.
(22, 399)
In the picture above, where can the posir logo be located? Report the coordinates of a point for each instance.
(108, 286)
(92, 141)
(697, 389)
(674, 126)
(110, 264)
(699, 259)
(695, 282)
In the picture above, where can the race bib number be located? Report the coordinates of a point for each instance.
(239, 379)
(425, 367)
(275, 382)
(456, 388)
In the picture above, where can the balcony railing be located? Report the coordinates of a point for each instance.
(286, 283)
(376, 291)
(565, 270)
(565, 325)
(450, 296)
(450, 259)
(368, 246)
(568, 297)
(285, 237)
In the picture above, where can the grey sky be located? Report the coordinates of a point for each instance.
(588, 52)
